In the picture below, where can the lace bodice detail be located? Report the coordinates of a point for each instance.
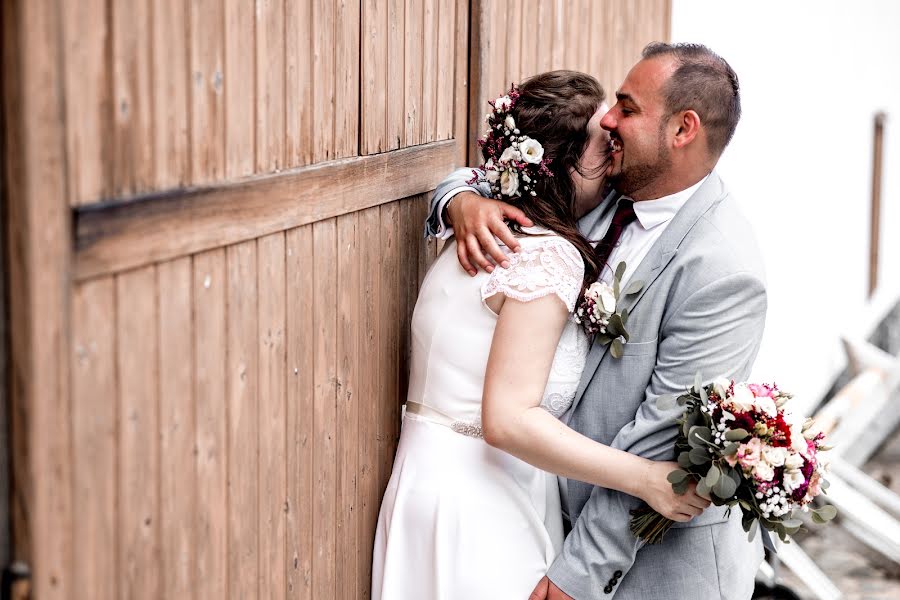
(543, 266)
(548, 265)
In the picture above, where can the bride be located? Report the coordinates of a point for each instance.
(472, 509)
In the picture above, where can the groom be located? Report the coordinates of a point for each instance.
(702, 308)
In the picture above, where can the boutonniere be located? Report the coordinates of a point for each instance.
(598, 311)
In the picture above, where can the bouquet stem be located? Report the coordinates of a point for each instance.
(649, 525)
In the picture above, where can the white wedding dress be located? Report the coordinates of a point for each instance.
(461, 520)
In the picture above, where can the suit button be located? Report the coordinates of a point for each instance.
(617, 574)
(608, 589)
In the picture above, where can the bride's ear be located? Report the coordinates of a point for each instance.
(688, 127)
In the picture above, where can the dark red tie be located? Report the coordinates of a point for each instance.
(623, 218)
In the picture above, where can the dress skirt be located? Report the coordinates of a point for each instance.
(461, 520)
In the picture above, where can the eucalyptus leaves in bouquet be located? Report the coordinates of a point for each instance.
(743, 447)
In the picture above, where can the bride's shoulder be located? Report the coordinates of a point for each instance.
(541, 239)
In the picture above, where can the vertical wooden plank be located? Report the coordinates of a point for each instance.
(211, 418)
(413, 49)
(323, 100)
(388, 342)
(396, 85)
(370, 248)
(39, 259)
(546, 11)
(87, 99)
(513, 66)
(243, 424)
(410, 241)
(207, 139)
(240, 135)
(875, 206)
(298, 82)
(133, 133)
(177, 437)
(272, 426)
(373, 119)
(349, 583)
(430, 91)
(171, 147)
(94, 437)
(446, 57)
(346, 78)
(586, 27)
(426, 249)
(300, 352)
(138, 517)
(532, 38)
(596, 62)
(270, 107)
(324, 410)
(560, 35)
(463, 99)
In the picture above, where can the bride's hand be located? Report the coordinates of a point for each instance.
(658, 493)
(475, 222)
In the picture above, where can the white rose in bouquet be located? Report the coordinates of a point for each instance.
(509, 183)
(793, 462)
(742, 399)
(767, 405)
(720, 387)
(763, 471)
(509, 122)
(774, 456)
(532, 151)
(793, 480)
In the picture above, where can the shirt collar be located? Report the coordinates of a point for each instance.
(652, 213)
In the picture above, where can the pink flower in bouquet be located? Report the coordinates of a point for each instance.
(761, 390)
(815, 486)
(748, 454)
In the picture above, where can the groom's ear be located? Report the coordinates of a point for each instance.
(688, 128)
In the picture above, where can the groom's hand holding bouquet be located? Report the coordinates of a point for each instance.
(743, 447)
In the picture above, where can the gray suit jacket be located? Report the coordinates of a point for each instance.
(702, 309)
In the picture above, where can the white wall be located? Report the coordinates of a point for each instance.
(812, 76)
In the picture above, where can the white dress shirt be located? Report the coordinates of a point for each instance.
(653, 216)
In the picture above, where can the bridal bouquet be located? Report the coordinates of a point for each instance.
(742, 447)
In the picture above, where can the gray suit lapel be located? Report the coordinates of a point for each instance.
(657, 259)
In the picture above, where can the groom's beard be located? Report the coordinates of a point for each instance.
(633, 178)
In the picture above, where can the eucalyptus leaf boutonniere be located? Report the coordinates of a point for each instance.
(599, 313)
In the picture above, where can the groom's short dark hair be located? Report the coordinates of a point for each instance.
(705, 83)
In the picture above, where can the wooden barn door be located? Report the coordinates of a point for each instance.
(214, 242)
(217, 211)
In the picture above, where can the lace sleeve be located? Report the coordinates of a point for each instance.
(551, 266)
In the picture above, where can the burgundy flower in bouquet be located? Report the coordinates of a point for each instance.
(743, 447)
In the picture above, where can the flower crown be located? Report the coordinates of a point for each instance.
(515, 162)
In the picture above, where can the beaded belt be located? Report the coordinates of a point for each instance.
(467, 428)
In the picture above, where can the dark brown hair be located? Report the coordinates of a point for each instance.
(554, 108)
(705, 83)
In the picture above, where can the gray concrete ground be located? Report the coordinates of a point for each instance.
(860, 573)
